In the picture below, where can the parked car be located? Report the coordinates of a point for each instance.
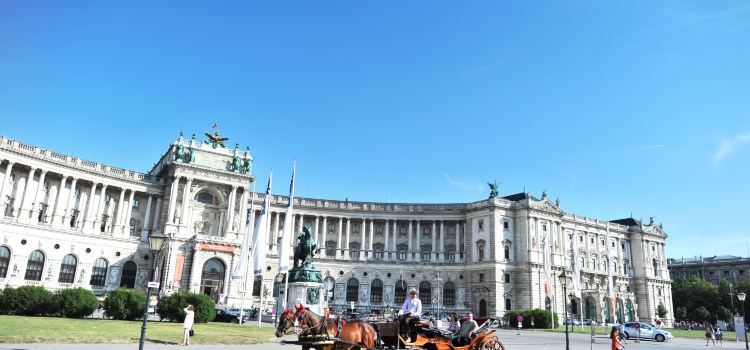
(573, 322)
(647, 331)
(223, 316)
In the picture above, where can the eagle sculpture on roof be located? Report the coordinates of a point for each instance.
(216, 140)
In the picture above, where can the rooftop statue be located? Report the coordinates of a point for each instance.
(494, 189)
(216, 140)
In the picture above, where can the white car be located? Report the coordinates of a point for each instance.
(647, 331)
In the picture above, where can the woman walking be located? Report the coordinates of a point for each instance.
(710, 334)
(188, 324)
(614, 335)
(719, 336)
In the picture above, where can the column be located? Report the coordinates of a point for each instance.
(409, 252)
(24, 207)
(386, 247)
(171, 219)
(119, 214)
(301, 224)
(56, 212)
(458, 243)
(230, 210)
(37, 201)
(69, 207)
(362, 236)
(372, 230)
(6, 180)
(433, 234)
(394, 254)
(442, 242)
(348, 236)
(129, 213)
(338, 239)
(146, 220)
(275, 236)
(184, 220)
(322, 244)
(316, 231)
(100, 209)
(89, 215)
(157, 214)
(243, 212)
(419, 240)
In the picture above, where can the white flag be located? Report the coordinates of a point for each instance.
(241, 268)
(260, 245)
(546, 251)
(576, 266)
(286, 238)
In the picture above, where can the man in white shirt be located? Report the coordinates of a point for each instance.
(409, 313)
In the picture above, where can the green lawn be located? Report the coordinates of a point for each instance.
(19, 329)
(678, 333)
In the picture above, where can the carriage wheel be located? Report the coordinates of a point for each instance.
(494, 344)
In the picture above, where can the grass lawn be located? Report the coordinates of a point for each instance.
(19, 329)
(678, 333)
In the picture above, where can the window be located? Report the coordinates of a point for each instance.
(506, 278)
(352, 290)
(329, 284)
(354, 250)
(378, 251)
(656, 268)
(99, 272)
(400, 292)
(129, 271)
(583, 263)
(132, 226)
(426, 232)
(726, 273)
(710, 273)
(68, 269)
(613, 244)
(34, 266)
(623, 246)
(506, 252)
(507, 304)
(331, 228)
(73, 218)
(602, 243)
(480, 250)
(107, 198)
(379, 229)
(46, 185)
(330, 248)
(481, 277)
(653, 248)
(593, 264)
(136, 203)
(426, 251)
(580, 239)
(205, 198)
(78, 192)
(355, 229)
(12, 177)
(592, 240)
(449, 294)
(402, 231)
(376, 291)
(402, 252)
(4, 261)
(480, 224)
(425, 293)
(544, 227)
(505, 225)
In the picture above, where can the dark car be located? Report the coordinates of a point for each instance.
(223, 316)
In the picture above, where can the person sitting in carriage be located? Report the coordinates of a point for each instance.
(409, 315)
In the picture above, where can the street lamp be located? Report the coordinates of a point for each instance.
(155, 242)
(565, 281)
(742, 296)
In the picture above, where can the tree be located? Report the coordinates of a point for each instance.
(125, 304)
(723, 313)
(724, 296)
(680, 313)
(661, 311)
(693, 293)
(700, 314)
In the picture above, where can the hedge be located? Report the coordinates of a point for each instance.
(171, 307)
(28, 301)
(125, 304)
(76, 302)
(541, 318)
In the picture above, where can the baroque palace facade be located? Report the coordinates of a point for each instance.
(68, 222)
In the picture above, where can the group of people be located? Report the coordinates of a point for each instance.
(412, 309)
(714, 334)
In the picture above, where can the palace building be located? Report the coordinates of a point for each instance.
(67, 222)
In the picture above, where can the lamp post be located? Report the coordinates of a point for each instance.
(155, 242)
(565, 280)
(742, 296)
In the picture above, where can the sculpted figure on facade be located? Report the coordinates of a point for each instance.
(494, 189)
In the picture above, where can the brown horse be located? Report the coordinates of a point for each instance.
(349, 334)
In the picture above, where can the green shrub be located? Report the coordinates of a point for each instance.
(541, 318)
(171, 307)
(28, 301)
(125, 304)
(76, 302)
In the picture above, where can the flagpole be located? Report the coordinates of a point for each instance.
(291, 231)
(266, 231)
(247, 263)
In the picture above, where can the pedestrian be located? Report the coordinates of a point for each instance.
(710, 334)
(187, 326)
(719, 336)
(621, 333)
(615, 337)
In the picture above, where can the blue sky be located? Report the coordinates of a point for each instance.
(621, 107)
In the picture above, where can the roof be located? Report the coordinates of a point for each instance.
(626, 222)
(519, 197)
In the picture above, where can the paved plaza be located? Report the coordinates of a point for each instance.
(512, 341)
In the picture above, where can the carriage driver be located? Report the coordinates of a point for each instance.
(409, 313)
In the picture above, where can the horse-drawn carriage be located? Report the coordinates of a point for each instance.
(316, 332)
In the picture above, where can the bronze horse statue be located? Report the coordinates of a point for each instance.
(347, 334)
(305, 250)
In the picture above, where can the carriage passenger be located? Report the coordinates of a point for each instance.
(468, 330)
(409, 313)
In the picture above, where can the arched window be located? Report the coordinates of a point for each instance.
(129, 271)
(68, 269)
(425, 293)
(449, 294)
(656, 268)
(99, 272)
(205, 198)
(376, 291)
(605, 264)
(352, 290)
(212, 278)
(400, 292)
(34, 266)
(625, 266)
(4, 261)
(593, 264)
(506, 252)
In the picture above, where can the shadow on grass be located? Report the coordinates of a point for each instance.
(155, 341)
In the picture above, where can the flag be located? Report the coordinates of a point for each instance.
(610, 286)
(286, 237)
(576, 267)
(239, 271)
(261, 233)
(546, 251)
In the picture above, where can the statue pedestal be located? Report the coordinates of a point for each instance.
(306, 287)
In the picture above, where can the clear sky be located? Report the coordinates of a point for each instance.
(614, 107)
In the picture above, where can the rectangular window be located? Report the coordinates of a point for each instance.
(623, 246)
(379, 229)
(613, 244)
(78, 192)
(354, 253)
(402, 255)
(480, 224)
(506, 277)
(507, 304)
(12, 177)
(544, 227)
(580, 238)
(46, 185)
(107, 198)
(592, 240)
(136, 203)
(505, 225)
